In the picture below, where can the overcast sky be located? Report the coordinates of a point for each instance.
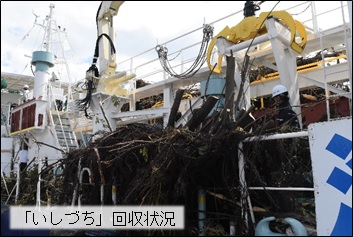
(139, 26)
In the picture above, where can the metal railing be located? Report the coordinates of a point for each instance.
(148, 68)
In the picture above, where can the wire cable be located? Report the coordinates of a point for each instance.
(197, 64)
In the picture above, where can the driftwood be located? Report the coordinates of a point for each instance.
(230, 87)
(175, 108)
(245, 120)
(202, 113)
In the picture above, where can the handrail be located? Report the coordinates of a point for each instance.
(157, 70)
(241, 166)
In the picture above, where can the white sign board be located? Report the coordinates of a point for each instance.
(331, 156)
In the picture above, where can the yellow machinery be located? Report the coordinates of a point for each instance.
(252, 26)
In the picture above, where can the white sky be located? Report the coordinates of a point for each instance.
(139, 26)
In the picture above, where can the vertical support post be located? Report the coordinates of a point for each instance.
(232, 230)
(114, 198)
(102, 194)
(49, 202)
(167, 102)
(202, 211)
(38, 204)
(18, 182)
(287, 66)
(245, 198)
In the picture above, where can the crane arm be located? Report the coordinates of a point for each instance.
(104, 20)
(109, 8)
(104, 50)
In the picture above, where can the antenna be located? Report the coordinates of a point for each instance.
(36, 17)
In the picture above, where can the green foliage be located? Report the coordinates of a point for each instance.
(3, 84)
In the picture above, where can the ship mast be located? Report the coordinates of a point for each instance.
(53, 37)
(47, 45)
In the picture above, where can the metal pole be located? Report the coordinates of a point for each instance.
(39, 180)
(202, 212)
(102, 194)
(277, 136)
(232, 228)
(245, 198)
(114, 194)
(17, 183)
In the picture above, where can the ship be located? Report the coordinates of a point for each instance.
(314, 64)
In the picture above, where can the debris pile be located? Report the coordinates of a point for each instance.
(150, 165)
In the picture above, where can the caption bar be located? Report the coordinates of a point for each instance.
(97, 217)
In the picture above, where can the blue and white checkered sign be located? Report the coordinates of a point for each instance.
(331, 154)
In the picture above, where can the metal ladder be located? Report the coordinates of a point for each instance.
(64, 131)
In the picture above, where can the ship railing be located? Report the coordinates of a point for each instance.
(146, 64)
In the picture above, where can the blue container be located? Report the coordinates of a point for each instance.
(215, 86)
